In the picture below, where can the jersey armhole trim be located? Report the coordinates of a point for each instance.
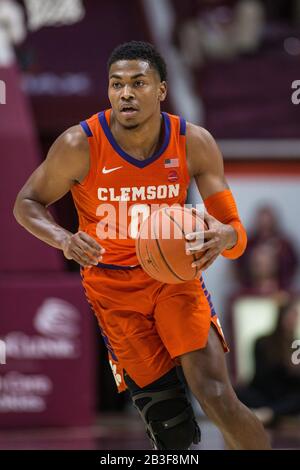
(182, 144)
(86, 128)
(88, 180)
(182, 130)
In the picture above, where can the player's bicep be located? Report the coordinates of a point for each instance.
(211, 183)
(207, 163)
(67, 162)
(46, 185)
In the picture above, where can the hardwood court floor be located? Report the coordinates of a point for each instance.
(124, 431)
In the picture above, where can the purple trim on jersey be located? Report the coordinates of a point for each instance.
(207, 295)
(108, 345)
(182, 126)
(126, 156)
(86, 128)
(115, 266)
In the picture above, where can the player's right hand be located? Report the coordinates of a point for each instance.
(83, 249)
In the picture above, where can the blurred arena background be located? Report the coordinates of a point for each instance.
(234, 67)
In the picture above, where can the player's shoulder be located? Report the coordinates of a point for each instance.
(69, 154)
(197, 135)
(73, 138)
(200, 141)
(194, 134)
(203, 153)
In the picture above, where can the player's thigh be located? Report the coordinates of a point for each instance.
(205, 369)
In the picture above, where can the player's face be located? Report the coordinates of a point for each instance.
(135, 91)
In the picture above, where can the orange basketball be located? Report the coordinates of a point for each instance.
(161, 244)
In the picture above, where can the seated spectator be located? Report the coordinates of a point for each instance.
(263, 269)
(274, 391)
(270, 260)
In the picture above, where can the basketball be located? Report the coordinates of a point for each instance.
(161, 244)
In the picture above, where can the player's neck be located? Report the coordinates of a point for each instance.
(142, 142)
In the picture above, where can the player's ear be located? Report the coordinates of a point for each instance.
(162, 93)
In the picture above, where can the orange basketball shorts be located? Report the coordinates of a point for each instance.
(147, 325)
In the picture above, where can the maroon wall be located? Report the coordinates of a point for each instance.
(19, 251)
(48, 379)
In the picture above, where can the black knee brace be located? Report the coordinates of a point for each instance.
(165, 409)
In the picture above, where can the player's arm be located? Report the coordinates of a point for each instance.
(67, 163)
(225, 235)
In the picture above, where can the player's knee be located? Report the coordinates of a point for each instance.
(166, 412)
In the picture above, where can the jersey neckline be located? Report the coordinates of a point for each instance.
(126, 156)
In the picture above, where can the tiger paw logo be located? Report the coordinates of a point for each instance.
(118, 377)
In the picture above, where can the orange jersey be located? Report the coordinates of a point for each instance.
(119, 191)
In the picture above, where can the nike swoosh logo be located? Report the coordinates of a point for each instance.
(105, 170)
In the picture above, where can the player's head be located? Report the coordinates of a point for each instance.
(137, 82)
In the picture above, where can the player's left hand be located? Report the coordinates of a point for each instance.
(211, 242)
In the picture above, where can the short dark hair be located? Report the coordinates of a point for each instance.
(139, 50)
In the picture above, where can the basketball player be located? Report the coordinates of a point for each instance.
(116, 164)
